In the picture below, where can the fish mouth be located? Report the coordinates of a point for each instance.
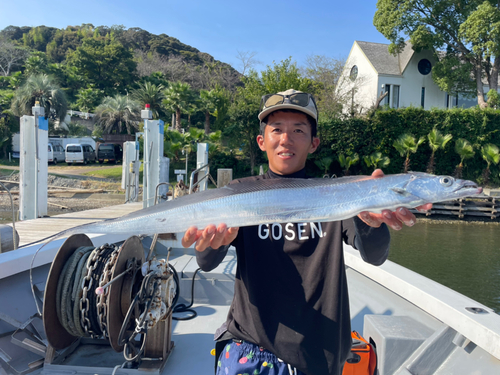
(467, 186)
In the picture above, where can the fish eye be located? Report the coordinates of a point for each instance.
(446, 181)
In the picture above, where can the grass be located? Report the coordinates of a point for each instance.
(7, 172)
(114, 173)
(13, 163)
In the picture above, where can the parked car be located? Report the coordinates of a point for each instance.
(80, 153)
(56, 153)
(111, 152)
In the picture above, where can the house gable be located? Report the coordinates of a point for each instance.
(380, 58)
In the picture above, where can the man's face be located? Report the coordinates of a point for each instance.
(287, 141)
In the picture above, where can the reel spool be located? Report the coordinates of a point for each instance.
(116, 271)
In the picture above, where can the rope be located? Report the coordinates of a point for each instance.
(70, 289)
(83, 313)
(76, 295)
(63, 294)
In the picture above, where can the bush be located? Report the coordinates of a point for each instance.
(377, 134)
(219, 159)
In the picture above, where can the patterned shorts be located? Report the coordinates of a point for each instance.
(245, 358)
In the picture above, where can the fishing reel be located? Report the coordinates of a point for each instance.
(110, 294)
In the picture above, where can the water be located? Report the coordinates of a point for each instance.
(464, 257)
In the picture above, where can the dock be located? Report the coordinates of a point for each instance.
(32, 231)
(486, 207)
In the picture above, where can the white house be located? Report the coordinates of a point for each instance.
(370, 71)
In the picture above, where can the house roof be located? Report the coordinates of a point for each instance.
(383, 61)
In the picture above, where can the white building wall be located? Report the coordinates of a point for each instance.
(365, 85)
(414, 81)
(383, 81)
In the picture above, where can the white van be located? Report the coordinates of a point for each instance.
(56, 153)
(80, 153)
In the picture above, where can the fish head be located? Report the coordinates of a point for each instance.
(420, 188)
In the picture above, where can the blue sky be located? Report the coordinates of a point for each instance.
(274, 29)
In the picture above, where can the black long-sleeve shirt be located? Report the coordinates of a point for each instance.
(290, 292)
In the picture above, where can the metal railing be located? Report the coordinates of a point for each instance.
(193, 185)
(166, 195)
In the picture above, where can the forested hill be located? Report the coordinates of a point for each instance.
(150, 53)
(58, 42)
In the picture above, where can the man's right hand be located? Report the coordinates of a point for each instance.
(210, 236)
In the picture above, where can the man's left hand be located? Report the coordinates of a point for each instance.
(394, 219)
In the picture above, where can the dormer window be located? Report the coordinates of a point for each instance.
(424, 67)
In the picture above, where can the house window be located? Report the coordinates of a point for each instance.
(451, 101)
(392, 98)
(395, 97)
(424, 67)
(422, 98)
(354, 73)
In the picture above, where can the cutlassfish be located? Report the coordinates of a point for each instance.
(286, 200)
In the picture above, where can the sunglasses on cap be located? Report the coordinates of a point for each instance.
(301, 99)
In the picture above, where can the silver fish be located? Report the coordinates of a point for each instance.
(286, 200)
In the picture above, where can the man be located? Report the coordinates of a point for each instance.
(290, 312)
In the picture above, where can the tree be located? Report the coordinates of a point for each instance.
(173, 144)
(491, 155)
(88, 99)
(40, 88)
(36, 64)
(347, 162)
(465, 150)
(436, 141)
(76, 130)
(104, 63)
(177, 99)
(208, 103)
(284, 76)
(332, 93)
(494, 99)
(148, 93)
(247, 60)
(406, 145)
(376, 160)
(243, 126)
(11, 57)
(115, 114)
(468, 32)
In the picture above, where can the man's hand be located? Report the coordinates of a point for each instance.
(394, 219)
(210, 236)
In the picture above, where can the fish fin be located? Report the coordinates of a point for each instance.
(401, 191)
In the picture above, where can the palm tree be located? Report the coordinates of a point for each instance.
(191, 109)
(149, 93)
(208, 101)
(173, 144)
(490, 154)
(466, 151)
(40, 88)
(115, 113)
(436, 141)
(376, 160)
(406, 145)
(324, 163)
(347, 162)
(177, 99)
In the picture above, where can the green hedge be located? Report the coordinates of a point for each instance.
(367, 135)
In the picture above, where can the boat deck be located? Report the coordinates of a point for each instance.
(407, 315)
